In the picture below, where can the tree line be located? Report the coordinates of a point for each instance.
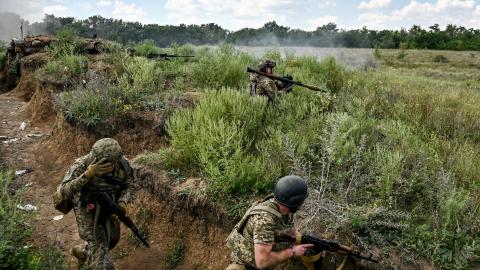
(452, 37)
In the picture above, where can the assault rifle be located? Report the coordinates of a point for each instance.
(286, 80)
(320, 245)
(166, 56)
(115, 209)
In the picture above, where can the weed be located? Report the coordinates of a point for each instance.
(15, 253)
(175, 254)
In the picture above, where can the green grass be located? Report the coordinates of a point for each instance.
(15, 252)
(175, 255)
(392, 154)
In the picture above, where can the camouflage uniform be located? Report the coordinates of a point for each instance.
(261, 223)
(264, 86)
(100, 231)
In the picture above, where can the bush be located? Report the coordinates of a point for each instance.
(146, 48)
(175, 255)
(66, 68)
(92, 103)
(222, 67)
(67, 43)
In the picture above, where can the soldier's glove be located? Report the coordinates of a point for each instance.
(123, 206)
(98, 169)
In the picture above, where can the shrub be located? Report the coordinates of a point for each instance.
(222, 67)
(92, 103)
(146, 47)
(175, 254)
(67, 43)
(66, 68)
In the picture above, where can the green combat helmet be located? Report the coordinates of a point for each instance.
(266, 63)
(107, 148)
(291, 191)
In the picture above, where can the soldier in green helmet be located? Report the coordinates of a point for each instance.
(104, 169)
(253, 241)
(263, 86)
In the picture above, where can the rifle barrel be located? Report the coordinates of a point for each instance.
(278, 78)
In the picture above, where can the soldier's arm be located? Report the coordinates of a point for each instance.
(264, 236)
(128, 194)
(271, 89)
(73, 181)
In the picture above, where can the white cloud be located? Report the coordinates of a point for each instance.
(372, 4)
(104, 3)
(57, 10)
(327, 3)
(443, 12)
(128, 12)
(312, 24)
(230, 13)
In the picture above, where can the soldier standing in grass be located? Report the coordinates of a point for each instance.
(253, 240)
(104, 169)
(263, 86)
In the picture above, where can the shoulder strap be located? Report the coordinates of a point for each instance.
(256, 209)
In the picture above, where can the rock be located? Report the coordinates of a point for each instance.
(27, 207)
(11, 141)
(35, 135)
(22, 172)
(37, 43)
(59, 217)
(23, 126)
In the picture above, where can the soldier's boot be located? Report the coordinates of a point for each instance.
(79, 251)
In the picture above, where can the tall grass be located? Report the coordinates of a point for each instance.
(15, 253)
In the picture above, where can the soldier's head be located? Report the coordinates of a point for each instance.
(108, 149)
(267, 66)
(290, 193)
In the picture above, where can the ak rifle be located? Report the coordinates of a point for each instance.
(286, 80)
(320, 245)
(115, 209)
(166, 56)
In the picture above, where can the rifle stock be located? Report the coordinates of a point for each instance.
(282, 79)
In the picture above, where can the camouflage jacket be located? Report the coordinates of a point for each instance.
(260, 224)
(263, 86)
(75, 187)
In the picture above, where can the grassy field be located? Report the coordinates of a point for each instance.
(391, 154)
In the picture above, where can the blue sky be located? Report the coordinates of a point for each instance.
(233, 15)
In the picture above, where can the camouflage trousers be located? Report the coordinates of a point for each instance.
(100, 236)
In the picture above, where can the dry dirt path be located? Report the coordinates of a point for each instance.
(48, 162)
(28, 149)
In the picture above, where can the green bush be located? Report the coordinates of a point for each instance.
(67, 43)
(66, 68)
(175, 255)
(146, 47)
(222, 67)
(92, 103)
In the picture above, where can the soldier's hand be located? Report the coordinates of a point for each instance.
(299, 250)
(98, 169)
(123, 206)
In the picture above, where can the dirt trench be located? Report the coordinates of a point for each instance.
(47, 145)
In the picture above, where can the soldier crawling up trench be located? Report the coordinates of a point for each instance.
(94, 184)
